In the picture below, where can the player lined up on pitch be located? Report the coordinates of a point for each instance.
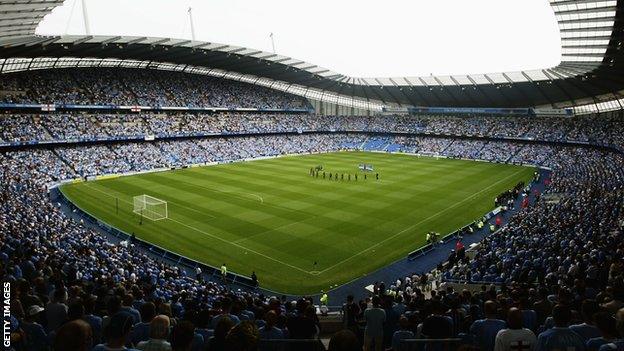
(315, 172)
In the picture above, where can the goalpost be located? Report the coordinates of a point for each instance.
(150, 207)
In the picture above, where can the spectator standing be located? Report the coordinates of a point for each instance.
(375, 318)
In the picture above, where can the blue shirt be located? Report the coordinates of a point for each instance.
(485, 330)
(596, 343)
(560, 339)
(36, 337)
(96, 327)
(529, 319)
(586, 331)
(140, 332)
(216, 319)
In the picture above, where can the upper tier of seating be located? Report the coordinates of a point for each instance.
(143, 87)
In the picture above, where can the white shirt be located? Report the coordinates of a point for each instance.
(515, 340)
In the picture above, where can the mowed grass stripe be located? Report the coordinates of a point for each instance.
(303, 219)
(210, 235)
(416, 224)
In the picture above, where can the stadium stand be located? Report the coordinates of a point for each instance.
(550, 278)
(90, 86)
(551, 254)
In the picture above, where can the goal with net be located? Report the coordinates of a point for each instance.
(150, 207)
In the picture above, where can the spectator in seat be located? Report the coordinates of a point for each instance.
(529, 316)
(515, 337)
(73, 336)
(127, 306)
(226, 307)
(402, 333)
(587, 330)
(243, 337)
(485, 330)
(217, 341)
(560, 337)
(117, 333)
(35, 336)
(618, 344)
(608, 333)
(437, 325)
(140, 332)
(94, 321)
(56, 310)
(269, 331)
(302, 324)
(344, 340)
(182, 336)
(350, 314)
(159, 331)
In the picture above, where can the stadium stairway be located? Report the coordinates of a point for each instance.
(514, 154)
(442, 152)
(46, 130)
(67, 163)
(477, 152)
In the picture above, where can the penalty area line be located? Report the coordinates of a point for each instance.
(218, 238)
(130, 203)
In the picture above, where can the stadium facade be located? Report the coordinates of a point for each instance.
(589, 78)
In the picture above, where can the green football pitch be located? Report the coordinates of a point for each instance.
(270, 216)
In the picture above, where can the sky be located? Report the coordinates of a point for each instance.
(359, 38)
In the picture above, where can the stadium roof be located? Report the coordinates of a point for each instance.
(591, 69)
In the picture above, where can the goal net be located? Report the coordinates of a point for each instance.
(150, 207)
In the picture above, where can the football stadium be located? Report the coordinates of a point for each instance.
(175, 193)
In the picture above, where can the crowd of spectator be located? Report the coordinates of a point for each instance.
(91, 160)
(558, 266)
(142, 87)
(555, 260)
(65, 126)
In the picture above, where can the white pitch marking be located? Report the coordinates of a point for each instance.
(128, 202)
(225, 241)
(422, 221)
(237, 245)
